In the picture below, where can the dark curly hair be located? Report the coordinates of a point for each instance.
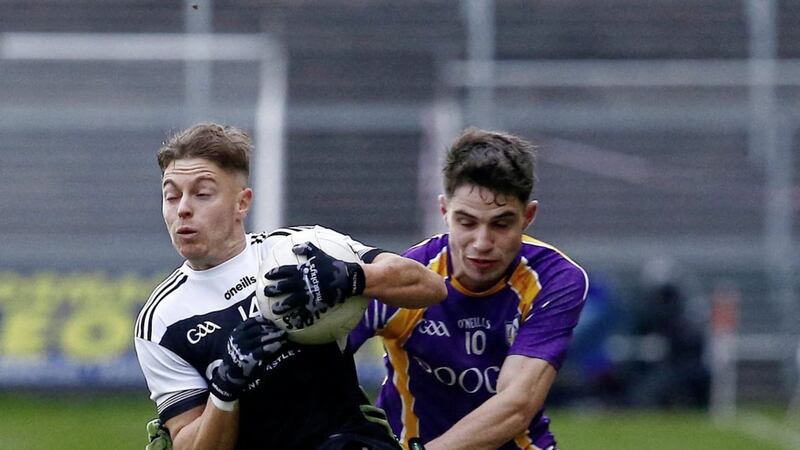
(501, 162)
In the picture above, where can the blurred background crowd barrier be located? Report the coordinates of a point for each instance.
(667, 167)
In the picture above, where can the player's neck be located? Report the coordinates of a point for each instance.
(225, 252)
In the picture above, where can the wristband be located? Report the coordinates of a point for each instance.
(222, 404)
(358, 278)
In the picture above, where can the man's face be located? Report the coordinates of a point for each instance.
(204, 208)
(485, 233)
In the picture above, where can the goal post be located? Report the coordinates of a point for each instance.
(103, 96)
(268, 165)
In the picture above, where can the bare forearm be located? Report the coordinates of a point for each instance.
(494, 423)
(522, 387)
(403, 282)
(214, 429)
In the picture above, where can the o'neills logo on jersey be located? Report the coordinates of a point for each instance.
(240, 286)
(474, 322)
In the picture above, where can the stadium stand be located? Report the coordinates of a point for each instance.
(72, 183)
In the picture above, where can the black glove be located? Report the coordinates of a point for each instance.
(249, 344)
(320, 282)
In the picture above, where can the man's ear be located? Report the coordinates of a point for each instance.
(530, 212)
(443, 207)
(244, 201)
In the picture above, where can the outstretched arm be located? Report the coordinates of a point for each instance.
(325, 280)
(403, 282)
(522, 387)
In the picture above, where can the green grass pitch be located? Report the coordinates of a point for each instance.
(116, 421)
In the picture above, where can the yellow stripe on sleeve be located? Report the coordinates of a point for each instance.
(525, 283)
(533, 241)
(524, 442)
(439, 263)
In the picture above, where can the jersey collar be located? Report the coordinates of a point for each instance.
(492, 290)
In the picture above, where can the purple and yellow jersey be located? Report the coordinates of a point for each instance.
(443, 361)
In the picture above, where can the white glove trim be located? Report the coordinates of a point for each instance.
(222, 404)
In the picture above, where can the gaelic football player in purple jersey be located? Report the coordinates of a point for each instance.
(473, 372)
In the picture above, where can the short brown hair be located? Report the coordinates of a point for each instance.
(501, 162)
(227, 146)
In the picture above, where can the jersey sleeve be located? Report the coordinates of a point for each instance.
(392, 322)
(372, 324)
(545, 333)
(175, 386)
(366, 253)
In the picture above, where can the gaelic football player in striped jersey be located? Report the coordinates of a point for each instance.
(221, 375)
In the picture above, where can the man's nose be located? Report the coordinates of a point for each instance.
(483, 240)
(184, 207)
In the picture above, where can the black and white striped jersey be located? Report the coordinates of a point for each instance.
(306, 394)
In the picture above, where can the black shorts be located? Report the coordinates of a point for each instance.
(349, 441)
(365, 437)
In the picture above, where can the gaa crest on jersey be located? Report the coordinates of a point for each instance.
(201, 330)
(512, 328)
(433, 328)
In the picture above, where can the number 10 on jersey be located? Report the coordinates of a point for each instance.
(475, 342)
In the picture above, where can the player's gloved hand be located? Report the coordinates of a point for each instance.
(249, 344)
(319, 282)
(158, 436)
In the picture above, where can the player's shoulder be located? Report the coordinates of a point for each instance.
(154, 310)
(268, 238)
(320, 233)
(550, 262)
(428, 250)
(256, 238)
(263, 241)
